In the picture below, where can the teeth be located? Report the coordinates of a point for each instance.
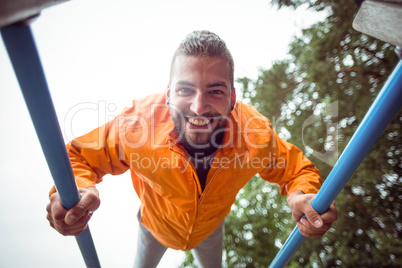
(198, 122)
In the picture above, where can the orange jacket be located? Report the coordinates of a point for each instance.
(173, 207)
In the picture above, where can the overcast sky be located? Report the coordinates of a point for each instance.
(98, 56)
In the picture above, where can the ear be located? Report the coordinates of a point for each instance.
(233, 98)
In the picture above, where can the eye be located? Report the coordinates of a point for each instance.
(184, 91)
(216, 93)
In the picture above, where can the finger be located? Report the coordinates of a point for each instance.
(306, 225)
(73, 229)
(92, 195)
(330, 215)
(308, 230)
(88, 202)
(296, 217)
(79, 227)
(57, 211)
(63, 226)
(48, 208)
(72, 232)
(306, 233)
(301, 205)
(49, 218)
(313, 217)
(315, 234)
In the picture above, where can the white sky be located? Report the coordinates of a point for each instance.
(98, 56)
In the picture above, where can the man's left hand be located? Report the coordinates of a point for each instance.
(315, 225)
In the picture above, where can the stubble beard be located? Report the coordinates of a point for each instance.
(200, 142)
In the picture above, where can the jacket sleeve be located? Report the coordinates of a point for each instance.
(96, 154)
(290, 168)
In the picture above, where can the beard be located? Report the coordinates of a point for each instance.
(200, 141)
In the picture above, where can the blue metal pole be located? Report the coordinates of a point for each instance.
(24, 57)
(381, 112)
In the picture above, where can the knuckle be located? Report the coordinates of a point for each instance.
(91, 195)
(57, 210)
(54, 197)
(311, 214)
(93, 199)
(61, 230)
(48, 207)
(49, 218)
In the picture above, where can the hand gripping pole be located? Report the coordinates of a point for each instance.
(24, 57)
(381, 112)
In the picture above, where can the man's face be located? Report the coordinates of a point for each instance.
(200, 99)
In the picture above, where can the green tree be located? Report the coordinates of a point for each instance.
(259, 221)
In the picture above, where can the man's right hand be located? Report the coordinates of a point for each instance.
(73, 221)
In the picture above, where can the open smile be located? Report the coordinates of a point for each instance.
(200, 121)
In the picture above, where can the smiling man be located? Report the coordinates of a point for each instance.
(190, 150)
(201, 96)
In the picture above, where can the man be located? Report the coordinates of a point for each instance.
(189, 150)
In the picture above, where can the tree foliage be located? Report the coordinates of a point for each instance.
(260, 220)
(316, 100)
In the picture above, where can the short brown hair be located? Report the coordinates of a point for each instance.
(204, 44)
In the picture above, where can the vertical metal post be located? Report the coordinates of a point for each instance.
(24, 57)
(381, 112)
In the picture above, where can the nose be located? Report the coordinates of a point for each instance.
(199, 104)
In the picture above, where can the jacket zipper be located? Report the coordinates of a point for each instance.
(204, 193)
(215, 175)
(197, 185)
